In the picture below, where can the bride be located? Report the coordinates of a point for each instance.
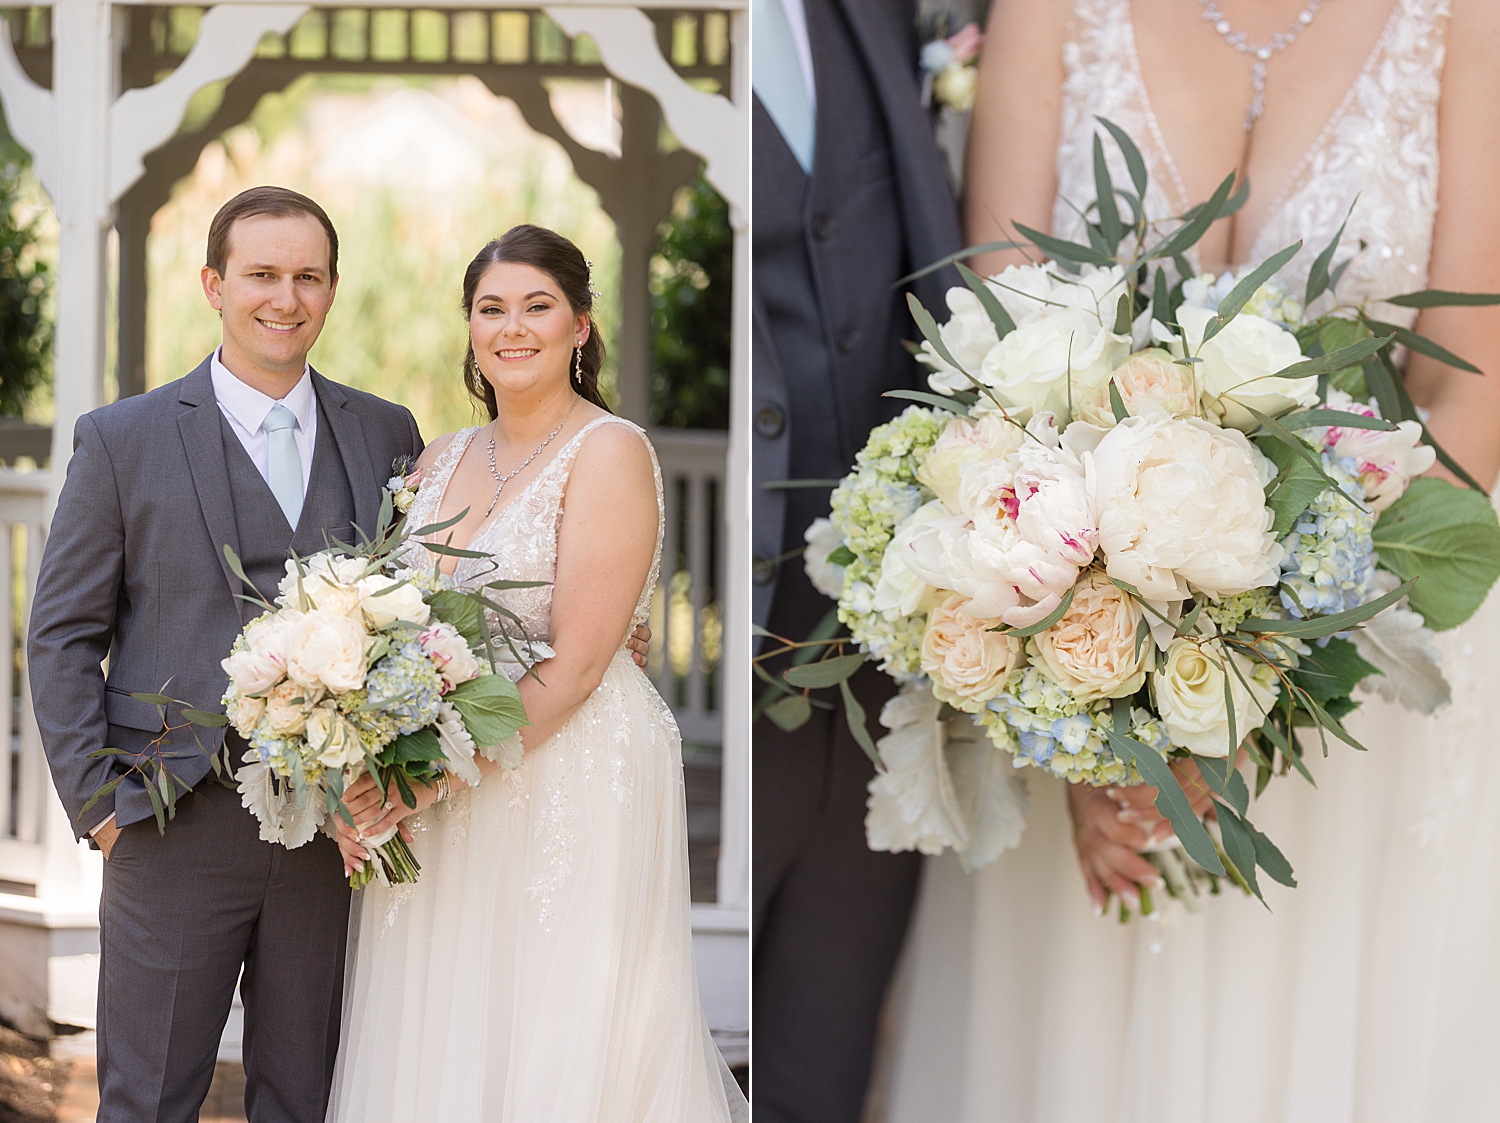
(541, 970)
(1369, 993)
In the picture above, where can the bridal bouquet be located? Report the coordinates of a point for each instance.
(1139, 523)
(360, 665)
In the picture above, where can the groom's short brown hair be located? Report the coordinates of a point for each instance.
(277, 201)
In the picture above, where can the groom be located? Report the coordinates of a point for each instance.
(257, 450)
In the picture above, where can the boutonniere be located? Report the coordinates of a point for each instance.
(950, 65)
(406, 477)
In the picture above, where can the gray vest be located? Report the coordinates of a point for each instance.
(265, 537)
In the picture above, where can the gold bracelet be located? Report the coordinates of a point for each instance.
(444, 787)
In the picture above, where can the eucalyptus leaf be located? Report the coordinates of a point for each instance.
(1117, 403)
(1438, 298)
(1270, 859)
(1046, 622)
(854, 715)
(1422, 345)
(1315, 418)
(1187, 235)
(939, 401)
(1247, 287)
(1171, 801)
(789, 712)
(1447, 536)
(1297, 485)
(1336, 360)
(1317, 276)
(1061, 250)
(1104, 189)
(1134, 162)
(1004, 325)
(828, 672)
(1319, 626)
(953, 258)
(1239, 847)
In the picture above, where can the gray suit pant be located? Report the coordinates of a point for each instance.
(181, 915)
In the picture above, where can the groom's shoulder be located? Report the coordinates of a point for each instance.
(128, 415)
(371, 407)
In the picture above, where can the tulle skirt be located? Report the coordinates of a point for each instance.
(1368, 994)
(541, 970)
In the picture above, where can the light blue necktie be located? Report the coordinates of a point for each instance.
(776, 75)
(284, 462)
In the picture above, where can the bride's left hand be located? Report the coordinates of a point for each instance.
(374, 811)
(640, 645)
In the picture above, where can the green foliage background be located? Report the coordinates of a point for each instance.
(28, 261)
(692, 283)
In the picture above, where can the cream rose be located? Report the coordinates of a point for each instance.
(1152, 375)
(287, 707)
(327, 649)
(963, 441)
(1182, 507)
(900, 592)
(449, 651)
(326, 581)
(335, 741)
(384, 603)
(1092, 651)
(247, 712)
(966, 661)
(1035, 368)
(1239, 364)
(1189, 689)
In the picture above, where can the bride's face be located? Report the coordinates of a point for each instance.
(523, 330)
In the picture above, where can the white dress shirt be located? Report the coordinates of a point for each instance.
(246, 408)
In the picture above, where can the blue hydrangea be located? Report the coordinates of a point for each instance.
(404, 691)
(1330, 559)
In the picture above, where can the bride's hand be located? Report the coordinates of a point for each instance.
(1108, 849)
(640, 645)
(1137, 804)
(374, 811)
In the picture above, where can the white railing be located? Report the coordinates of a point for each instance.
(687, 617)
(25, 786)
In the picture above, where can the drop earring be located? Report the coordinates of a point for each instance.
(578, 364)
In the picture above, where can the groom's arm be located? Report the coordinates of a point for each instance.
(72, 623)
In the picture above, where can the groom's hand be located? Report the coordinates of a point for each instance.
(640, 645)
(105, 836)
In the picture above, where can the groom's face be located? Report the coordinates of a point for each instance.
(274, 295)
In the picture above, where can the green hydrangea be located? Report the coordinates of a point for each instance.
(868, 504)
(1231, 612)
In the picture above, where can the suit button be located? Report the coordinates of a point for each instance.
(848, 340)
(769, 422)
(762, 569)
(823, 226)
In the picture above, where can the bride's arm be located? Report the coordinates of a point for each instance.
(1010, 173)
(604, 550)
(1466, 248)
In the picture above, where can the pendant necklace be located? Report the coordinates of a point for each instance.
(1262, 54)
(501, 481)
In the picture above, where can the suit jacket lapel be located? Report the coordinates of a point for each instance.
(203, 439)
(349, 435)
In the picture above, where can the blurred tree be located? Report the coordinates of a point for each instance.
(691, 294)
(25, 283)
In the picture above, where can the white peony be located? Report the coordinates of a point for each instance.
(1386, 461)
(1092, 650)
(327, 649)
(384, 603)
(1239, 365)
(449, 651)
(969, 334)
(900, 592)
(963, 441)
(1182, 507)
(1189, 690)
(261, 663)
(822, 539)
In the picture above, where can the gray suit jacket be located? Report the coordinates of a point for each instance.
(831, 246)
(134, 569)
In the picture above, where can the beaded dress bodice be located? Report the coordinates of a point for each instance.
(1380, 145)
(521, 537)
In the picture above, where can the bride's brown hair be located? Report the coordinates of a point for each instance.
(561, 260)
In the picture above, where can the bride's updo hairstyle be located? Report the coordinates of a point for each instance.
(561, 260)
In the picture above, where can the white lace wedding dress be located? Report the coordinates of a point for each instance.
(1370, 993)
(541, 970)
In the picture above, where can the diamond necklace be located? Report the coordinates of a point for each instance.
(1262, 54)
(505, 479)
